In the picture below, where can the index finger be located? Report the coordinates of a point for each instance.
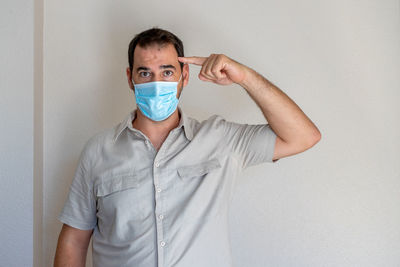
(193, 60)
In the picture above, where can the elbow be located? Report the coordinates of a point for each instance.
(314, 138)
(305, 142)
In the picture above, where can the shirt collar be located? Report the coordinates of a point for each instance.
(127, 123)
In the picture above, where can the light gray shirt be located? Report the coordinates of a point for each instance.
(166, 208)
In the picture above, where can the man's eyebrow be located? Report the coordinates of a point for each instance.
(167, 67)
(161, 67)
(142, 68)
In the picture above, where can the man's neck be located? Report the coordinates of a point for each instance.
(156, 131)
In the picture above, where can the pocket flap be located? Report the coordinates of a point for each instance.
(118, 183)
(199, 169)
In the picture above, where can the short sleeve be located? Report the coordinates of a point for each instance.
(252, 144)
(79, 209)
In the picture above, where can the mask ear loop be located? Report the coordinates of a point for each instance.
(133, 82)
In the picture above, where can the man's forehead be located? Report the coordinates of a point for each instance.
(155, 52)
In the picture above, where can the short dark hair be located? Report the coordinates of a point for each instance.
(154, 36)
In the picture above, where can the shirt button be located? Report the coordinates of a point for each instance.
(157, 164)
(147, 142)
(162, 243)
(161, 216)
(158, 189)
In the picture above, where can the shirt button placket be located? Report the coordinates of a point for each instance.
(159, 223)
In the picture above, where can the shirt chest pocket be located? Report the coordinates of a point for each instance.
(122, 198)
(198, 170)
(201, 191)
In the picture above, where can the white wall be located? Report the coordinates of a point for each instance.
(16, 132)
(334, 205)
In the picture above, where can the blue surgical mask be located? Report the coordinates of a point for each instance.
(157, 100)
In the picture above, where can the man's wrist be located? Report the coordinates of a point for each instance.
(248, 79)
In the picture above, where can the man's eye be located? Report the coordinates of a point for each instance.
(144, 74)
(168, 73)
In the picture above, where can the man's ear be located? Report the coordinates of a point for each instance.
(185, 74)
(129, 77)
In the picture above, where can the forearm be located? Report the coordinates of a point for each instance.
(283, 115)
(68, 255)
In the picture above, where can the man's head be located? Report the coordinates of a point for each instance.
(153, 56)
(151, 37)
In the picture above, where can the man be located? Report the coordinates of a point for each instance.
(155, 189)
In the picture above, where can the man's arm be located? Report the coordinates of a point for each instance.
(72, 247)
(295, 131)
